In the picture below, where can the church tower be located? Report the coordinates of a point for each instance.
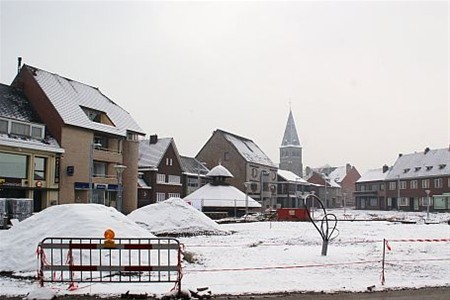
(291, 150)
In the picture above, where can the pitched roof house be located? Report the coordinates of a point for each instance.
(29, 155)
(245, 160)
(99, 138)
(194, 174)
(161, 169)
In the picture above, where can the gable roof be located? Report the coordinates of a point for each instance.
(15, 106)
(150, 155)
(373, 175)
(338, 174)
(68, 97)
(292, 177)
(192, 166)
(247, 149)
(421, 164)
(290, 138)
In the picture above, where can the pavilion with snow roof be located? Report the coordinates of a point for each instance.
(219, 199)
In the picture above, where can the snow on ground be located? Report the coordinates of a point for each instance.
(269, 257)
(18, 244)
(174, 217)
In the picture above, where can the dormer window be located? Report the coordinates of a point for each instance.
(429, 168)
(406, 170)
(97, 116)
(417, 169)
(22, 129)
(441, 166)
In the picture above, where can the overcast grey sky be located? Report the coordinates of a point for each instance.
(366, 79)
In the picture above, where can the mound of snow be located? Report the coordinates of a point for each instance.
(18, 244)
(174, 217)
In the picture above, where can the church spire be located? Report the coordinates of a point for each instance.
(290, 137)
(291, 149)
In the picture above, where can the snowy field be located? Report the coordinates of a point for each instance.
(261, 257)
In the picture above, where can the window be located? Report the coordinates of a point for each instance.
(403, 185)
(438, 183)
(37, 132)
(132, 136)
(392, 185)
(39, 168)
(161, 178)
(3, 126)
(381, 186)
(100, 169)
(160, 197)
(425, 183)
(425, 201)
(413, 184)
(97, 116)
(389, 201)
(173, 195)
(20, 129)
(193, 182)
(174, 179)
(101, 141)
(168, 162)
(373, 202)
(403, 201)
(13, 165)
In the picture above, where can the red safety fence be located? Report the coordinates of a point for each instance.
(72, 260)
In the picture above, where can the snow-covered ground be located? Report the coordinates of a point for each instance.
(260, 257)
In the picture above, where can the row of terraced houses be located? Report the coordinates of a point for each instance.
(62, 141)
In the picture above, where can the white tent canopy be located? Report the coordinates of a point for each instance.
(220, 196)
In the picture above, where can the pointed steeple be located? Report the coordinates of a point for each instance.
(291, 149)
(290, 137)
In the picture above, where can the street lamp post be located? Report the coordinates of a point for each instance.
(119, 170)
(428, 204)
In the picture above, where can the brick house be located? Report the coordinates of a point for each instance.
(346, 176)
(98, 136)
(416, 176)
(161, 169)
(29, 155)
(291, 189)
(250, 166)
(370, 189)
(329, 191)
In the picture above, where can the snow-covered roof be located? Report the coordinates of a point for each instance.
(248, 149)
(290, 176)
(192, 166)
(219, 171)
(69, 96)
(150, 155)
(373, 175)
(14, 105)
(49, 144)
(142, 184)
(429, 163)
(221, 196)
(338, 174)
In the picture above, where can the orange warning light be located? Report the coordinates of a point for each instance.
(109, 239)
(109, 234)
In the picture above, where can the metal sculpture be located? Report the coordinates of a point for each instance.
(327, 220)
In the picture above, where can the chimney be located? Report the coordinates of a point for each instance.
(19, 64)
(385, 168)
(348, 167)
(400, 155)
(153, 139)
(427, 149)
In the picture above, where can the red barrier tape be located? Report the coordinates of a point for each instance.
(284, 267)
(420, 240)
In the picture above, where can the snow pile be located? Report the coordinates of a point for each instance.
(18, 244)
(174, 217)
